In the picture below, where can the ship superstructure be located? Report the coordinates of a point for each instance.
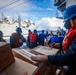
(63, 4)
(9, 26)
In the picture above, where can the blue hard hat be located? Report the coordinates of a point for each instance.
(69, 12)
(29, 30)
(35, 31)
(19, 30)
(42, 31)
(46, 31)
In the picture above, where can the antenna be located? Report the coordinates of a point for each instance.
(19, 20)
(2, 15)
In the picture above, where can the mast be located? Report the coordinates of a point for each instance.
(19, 21)
(2, 15)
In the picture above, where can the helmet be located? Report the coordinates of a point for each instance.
(29, 30)
(42, 31)
(69, 13)
(19, 30)
(1, 33)
(46, 31)
(35, 31)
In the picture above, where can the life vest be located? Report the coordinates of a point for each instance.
(2, 40)
(33, 37)
(18, 41)
(69, 38)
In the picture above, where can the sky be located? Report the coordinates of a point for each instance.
(41, 12)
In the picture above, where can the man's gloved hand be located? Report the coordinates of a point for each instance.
(40, 58)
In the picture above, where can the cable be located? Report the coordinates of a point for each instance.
(16, 6)
(9, 4)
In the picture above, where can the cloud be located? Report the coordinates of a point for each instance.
(49, 9)
(39, 8)
(49, 23)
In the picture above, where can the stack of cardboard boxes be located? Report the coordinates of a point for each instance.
(13, 66)
(45, 50)
(43, 67)
(22, 55)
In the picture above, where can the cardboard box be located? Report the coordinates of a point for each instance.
(46, 71)
(20, 67)
(17, 52)
(6, 56)
(46, 43)
(44, 50)
(44, 68)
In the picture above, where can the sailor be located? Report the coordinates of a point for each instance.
(69, 58)
(34, 39)
(56, 40)
(41, 38)
(16, 39)
(51, 33)
(1, 37)
(63, 32)
(71, 34)
(50, 36)
(28, 37)
(46, 34)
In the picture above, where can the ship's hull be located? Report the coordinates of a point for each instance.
(9, 29)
